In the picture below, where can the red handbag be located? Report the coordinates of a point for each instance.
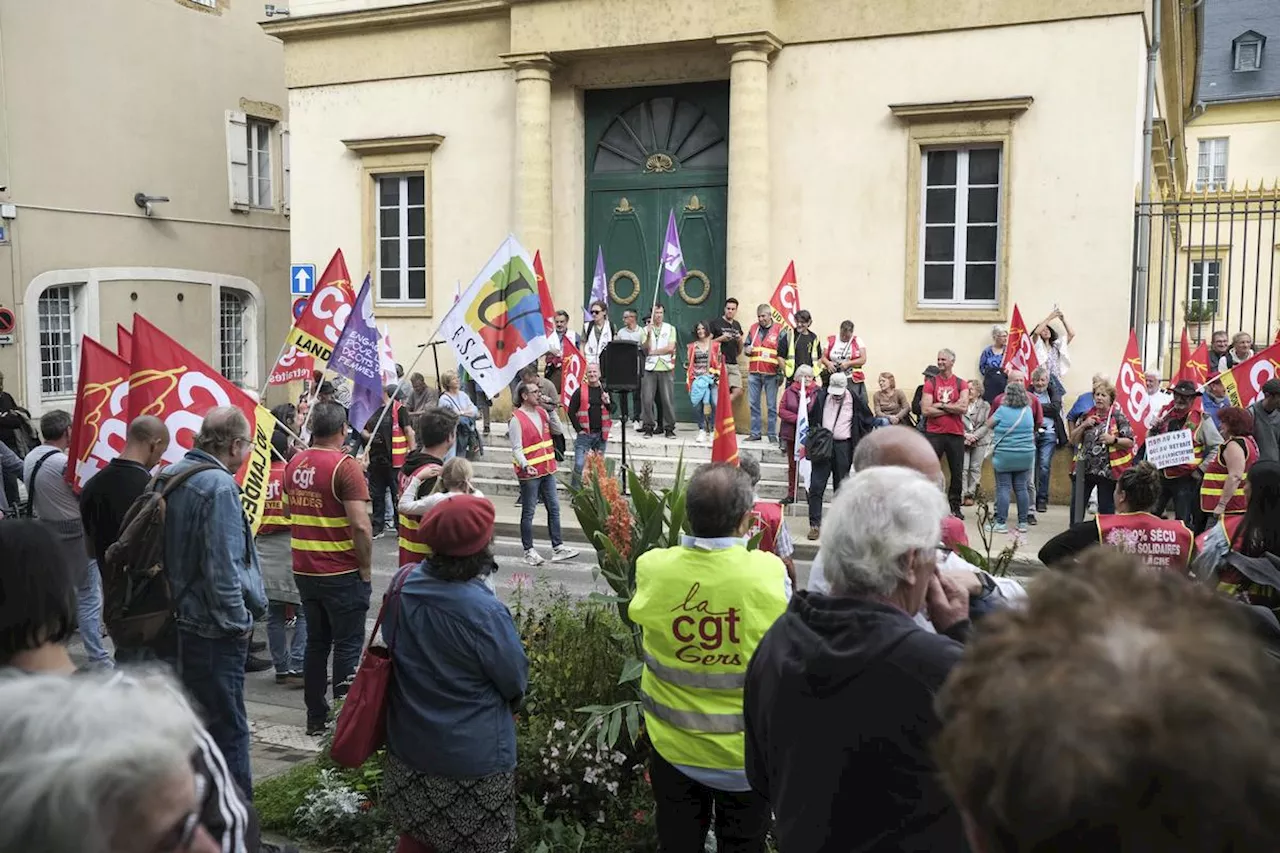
(362, 724)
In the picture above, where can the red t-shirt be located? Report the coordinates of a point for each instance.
(946, 391)
(349, 483)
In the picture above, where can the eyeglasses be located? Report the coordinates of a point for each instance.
(179, 838)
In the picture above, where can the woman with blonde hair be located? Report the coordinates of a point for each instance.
(1102, 430)
(890, 402)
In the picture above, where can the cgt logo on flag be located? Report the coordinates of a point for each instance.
(573, 368)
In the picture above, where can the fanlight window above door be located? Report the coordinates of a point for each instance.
(662, 135)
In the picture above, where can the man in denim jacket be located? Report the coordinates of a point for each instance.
(213, 572)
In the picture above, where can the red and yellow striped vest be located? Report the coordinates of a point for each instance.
(1159, 543)
(399, 441)
(1230, 524)
(1215, 478)
(764, 352)
(766, 519)
(1121, 460)
(1192, 423)
(274, 517)
(537, 447)
(412, 548)
(583, 414)
(322, 541)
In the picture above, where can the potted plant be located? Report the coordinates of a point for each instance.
(1198, 313)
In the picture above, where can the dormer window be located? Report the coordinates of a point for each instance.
(1246, 51)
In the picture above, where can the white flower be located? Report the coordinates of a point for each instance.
(618, 758)
(612, 788)
(559, 725)
(555, 752)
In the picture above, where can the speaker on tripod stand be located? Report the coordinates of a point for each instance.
(620, 363)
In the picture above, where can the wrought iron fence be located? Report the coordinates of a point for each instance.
(1205, 263)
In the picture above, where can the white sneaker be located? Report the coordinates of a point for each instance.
(702, 437)
(562, 553)
(533, 558)
(636, 425)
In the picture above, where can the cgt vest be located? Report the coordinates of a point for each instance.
(538, 449)
(399, 441)
(764, 350)
(322, 542)
(412, 548)
(1229, 524)
(1215, 478)
(703, 614)
(275, 519)
(1159, 543)
(766, 519)
(1120, 460)
(583, 415)
(838, 350)
(1192, 423)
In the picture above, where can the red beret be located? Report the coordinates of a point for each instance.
(458, 527)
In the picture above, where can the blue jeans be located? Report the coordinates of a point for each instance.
(212, 671)
(880, 422)
(1017, 481)
(288, 657)
(585, 443)
(1046, 444)
(532, 491)
(334, 607)
(89, 614)
(756, 383)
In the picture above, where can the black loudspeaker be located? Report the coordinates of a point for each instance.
(620, 366)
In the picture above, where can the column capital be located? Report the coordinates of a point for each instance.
(755, 46)
(530, 65)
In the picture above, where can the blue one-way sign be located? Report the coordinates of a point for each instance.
(302, 279)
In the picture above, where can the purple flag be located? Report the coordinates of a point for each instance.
(355, 356)
(599, 286)
(673, 270)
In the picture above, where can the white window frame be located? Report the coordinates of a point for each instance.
(233, 353)
(1237, 55)
(71, 327)
(403, 207)
(1212, 153)
(1197, 272)
(959, 260)
(258, 135)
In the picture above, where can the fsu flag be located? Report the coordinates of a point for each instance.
(573, 371)
(102, 412)
(545, 304)
(316, 332)
(1244, 381)
(724, 446)
(496, 327)
(785, 301)
(1019, 352)
(1195, 366)
(170, 382)
(124, 343)
(673, 271)
(1131, 393)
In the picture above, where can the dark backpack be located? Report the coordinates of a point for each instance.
(138, 604)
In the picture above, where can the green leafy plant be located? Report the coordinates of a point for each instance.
(996, 564)
(1198, 312)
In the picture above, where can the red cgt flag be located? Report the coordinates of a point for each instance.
(1019, 351)
(573, 373)
(124, 343)
(316, 332)
(1185, 353)
(1195, 367)
(547, 307)
(724, 446)
(1131, 392)
(785, 301)
(293, 365)
(102, 412)
(1244, 381)
(170, 382)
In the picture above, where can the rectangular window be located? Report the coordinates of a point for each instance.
(59, 341)
(402, 238)
(259, 140)
(1248, 55)
(1204, 282)
(960, 227)
(231, 340)
(1211, 164)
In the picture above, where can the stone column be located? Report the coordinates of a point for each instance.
(750, 277)
(532, 178)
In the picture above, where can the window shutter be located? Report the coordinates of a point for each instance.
(238, 159)
(284, 160)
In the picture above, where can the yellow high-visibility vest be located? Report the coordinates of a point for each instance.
(703, 614)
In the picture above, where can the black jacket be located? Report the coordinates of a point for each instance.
(839, 723)
(863, 419)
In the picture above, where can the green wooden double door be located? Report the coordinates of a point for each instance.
(652, 152)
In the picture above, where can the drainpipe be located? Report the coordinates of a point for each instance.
(1143, 247)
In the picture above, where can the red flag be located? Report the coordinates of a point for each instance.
(316, 332)
(724, 445)
(1185, 353)
(1277, 338)
(544, 296)
(1131, 392)
(785, 301)
(1244, 381)
(170, 382)
(294, 365)
(573, 371)
(102, 412)
(1195, 367)
(1019, 351)
(124, 343)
